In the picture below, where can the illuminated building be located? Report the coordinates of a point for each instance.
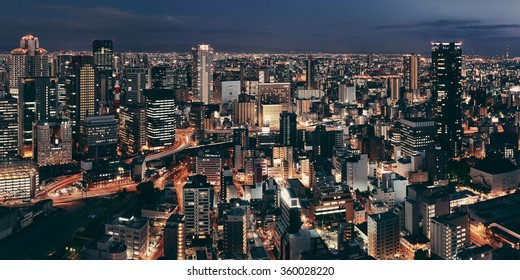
(18, 181)
(175, 237)
(135, 81)
(8, 129)
(133, 232)
(383, 235)
(160, 118)
(197, 113)
(210, 165)
(132, 129)
(244, 113)
(53, 145)
(103, 52)
(202, 73)
(197, 198)
(288, 129)
(98, 137)
(230, 92)
(290, 220)
(449, 234)
(411, 72)
(235, 230)
(37, 101)
(347, 94)
(417, 134)
(29, 60)
(446, 93)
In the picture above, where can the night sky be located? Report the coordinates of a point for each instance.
(344, 26)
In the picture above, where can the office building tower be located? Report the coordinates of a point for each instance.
(383, 235)
(449, 235)
(197, 115)
(53, 143)
(18, 181)
(160, 118)
(162, 77)
(241, 137)
(446, 93)
(202, 73)
(394, 89)
(244, 113)
(436, 164)
(98, 137)
(288, 127)
(210, 165)
(8, 129)
(103, 52)
(309, 70)
(411, 72)
(132, 129)
(226, 182)
(230, 92)
(175, 237)
(197, 197)
(274, 93)
(81, 92)
(37, 100)
(135, 83)
(132, 231)
(290, 221)
(346, 94)
(29, 60)
(417, 134)
(282, 73)
(235, 230)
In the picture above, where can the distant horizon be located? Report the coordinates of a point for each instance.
(391, 27)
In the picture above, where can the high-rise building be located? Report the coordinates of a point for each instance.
(230, 92)
(29, 60)
(235, 230)
(417, 134)
(504, 145)
(135, 83)
(98, 137)
(210, 165)
(394, 88)
(197, 115)
(346, 94)
(411, 72)
(241, 137)
(197, 197)
(160, 118)
(203, 67)
(436, 164)
(37, 101)
(103, 52)
(288, 127)
(81, 100)
(132, 129)
(309, 70)
(446, 93)
(383, 235)
(244, 113)
(449, 234)
(53, 143)
(162, 77)
(290, 221)
(175, 237)
(8, 129)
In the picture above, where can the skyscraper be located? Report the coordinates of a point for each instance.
(446, 94)
(53, 143)
(132, 129)
(196, 204)
(203, 67)
(417, 134)
(175, 237)
(288, 129)
(135, 81)
(103, 52)
(411, 72)
(197, 112)
(29, 60)
(383, 235)
(160, 118)
(235, 230)
(310, 63)
(98, 137)
(8, 129)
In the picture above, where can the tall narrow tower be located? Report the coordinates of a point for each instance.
(203, 67)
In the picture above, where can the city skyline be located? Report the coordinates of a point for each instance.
(342, 27)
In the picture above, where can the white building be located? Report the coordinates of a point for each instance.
(230, 92)
(133, 232)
